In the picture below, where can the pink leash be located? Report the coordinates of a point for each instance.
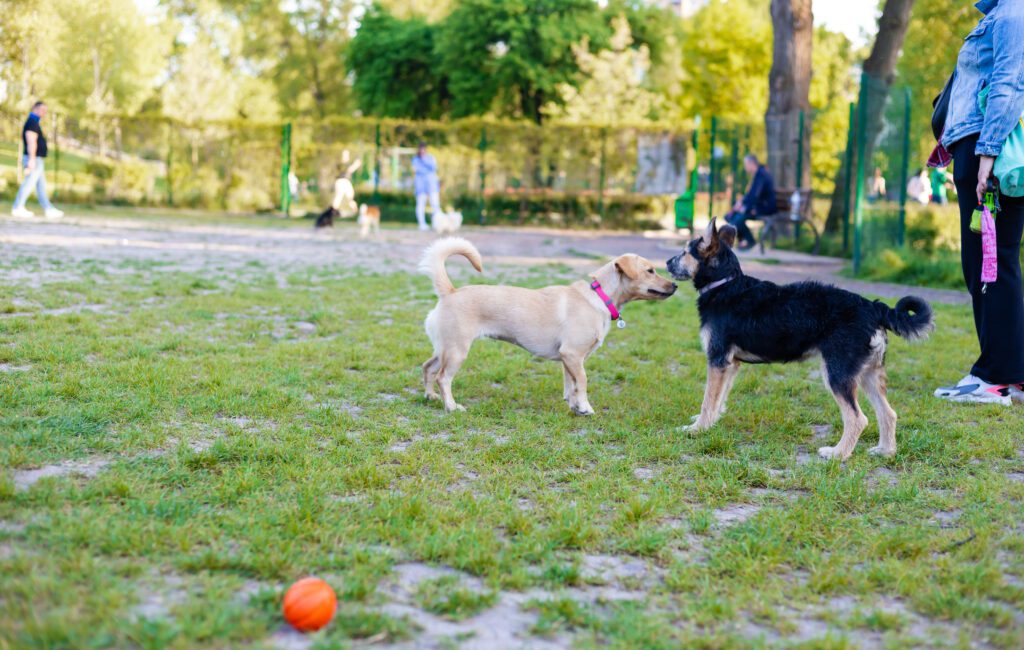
(596, 286)
(989, 253)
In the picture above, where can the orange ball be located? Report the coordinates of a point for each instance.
(309, 604)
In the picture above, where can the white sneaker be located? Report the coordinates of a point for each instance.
(22, 213)
(1017, 392)
(976, 391)
(54, 213)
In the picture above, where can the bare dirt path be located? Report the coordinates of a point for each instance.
(190, 246)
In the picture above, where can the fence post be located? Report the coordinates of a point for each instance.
(901, 231)
(799, 171)
(483, 172)
(376, 166)
(735, 166)
(858, 200)
(286, 167)
(711, 170)
(847, 195)
(56, 157)
(601, 179)
(170, 180)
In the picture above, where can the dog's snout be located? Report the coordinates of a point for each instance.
(674, 286)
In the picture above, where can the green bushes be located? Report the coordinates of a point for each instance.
(558, 209)
(131, 182)
(246, 192)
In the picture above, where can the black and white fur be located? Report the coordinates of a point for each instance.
(745, 320)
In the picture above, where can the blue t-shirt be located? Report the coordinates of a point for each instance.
(32, 125)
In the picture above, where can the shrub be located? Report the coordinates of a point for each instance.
(195, 188)
(247, 193)
(131, 182)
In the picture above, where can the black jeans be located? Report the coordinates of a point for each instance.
(739, 219)
(999, 311)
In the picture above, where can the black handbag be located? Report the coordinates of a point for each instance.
(941, 108)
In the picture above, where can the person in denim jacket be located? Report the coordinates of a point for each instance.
(992, 57)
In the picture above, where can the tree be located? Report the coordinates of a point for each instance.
(429, 10)
(27, 56)
(789, 92)
(612, 91)
(396, 67)
(832, 90)
(929, 57)
(879, 71)
(726, 47)
(514, 56)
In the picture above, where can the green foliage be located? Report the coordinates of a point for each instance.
(247, 191)
(195, 187)
(131, 181)
(512, 56)
(832, 90)
(397, 67)
(933, 40)
(727, 50)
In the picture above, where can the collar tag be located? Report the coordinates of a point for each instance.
(621, 324)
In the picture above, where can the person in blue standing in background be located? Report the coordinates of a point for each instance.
(991, 57)
(33, 153)
(426, 185)
(759, 201)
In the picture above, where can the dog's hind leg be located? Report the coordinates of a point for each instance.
(451, 360)
(844, 389)
(873, 381)
(430, 369)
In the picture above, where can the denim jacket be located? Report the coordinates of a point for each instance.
(993, 56)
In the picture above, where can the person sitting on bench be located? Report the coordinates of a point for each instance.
(759, 201)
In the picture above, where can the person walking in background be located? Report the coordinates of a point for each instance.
(918, 188)
(939, 180)
(426, 186)
(759, 201)
(34, 153)
(876, 188)
(992, 57)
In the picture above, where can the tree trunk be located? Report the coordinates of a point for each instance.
(880, 71)
(790, 86)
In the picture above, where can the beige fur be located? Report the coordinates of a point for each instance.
(561, 323)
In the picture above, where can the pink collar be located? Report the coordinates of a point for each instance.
(596, 286)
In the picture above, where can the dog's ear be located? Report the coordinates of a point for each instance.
(727, 235)
(626, 265)
(711, 239)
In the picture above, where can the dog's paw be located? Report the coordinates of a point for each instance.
(585, 409)
(693, 420)
(431, 396)
(830, 453)
(879, 450)
(457, 407)
(692, 429)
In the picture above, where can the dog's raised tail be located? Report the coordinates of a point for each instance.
(434, 257)
(911, 319)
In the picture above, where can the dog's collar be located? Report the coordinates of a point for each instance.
(715, 284)
(596, 286)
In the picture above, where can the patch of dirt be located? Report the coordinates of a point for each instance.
(26, 478)
(158, 593)
(614, 569)
(643, 473)
(735, 514)
(10, 367)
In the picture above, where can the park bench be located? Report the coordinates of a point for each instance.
(785, 218)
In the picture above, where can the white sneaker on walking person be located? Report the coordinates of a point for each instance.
(22, 213)
(1017, 392)
(977, 391)
(54, 213)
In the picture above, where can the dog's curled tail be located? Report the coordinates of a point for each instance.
(434, 257)
(911, 319)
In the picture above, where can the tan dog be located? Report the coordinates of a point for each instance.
(559, 323)
(369, 217)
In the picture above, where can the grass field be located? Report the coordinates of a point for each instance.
(209, 437)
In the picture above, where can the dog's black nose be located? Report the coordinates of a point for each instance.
(674, 286)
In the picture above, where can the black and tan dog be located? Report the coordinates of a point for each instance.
(745, 320)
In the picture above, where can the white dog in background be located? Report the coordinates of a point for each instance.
(446, 222)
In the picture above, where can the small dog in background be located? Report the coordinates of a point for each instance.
(327, 217)
(447, 222)
(369, 218)
(745, 320)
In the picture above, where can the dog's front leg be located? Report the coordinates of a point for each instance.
(715, 392)
(568, 386)
(573, 365)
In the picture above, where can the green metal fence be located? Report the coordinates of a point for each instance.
(878, 153)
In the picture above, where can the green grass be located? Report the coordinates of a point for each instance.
(245, 452)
